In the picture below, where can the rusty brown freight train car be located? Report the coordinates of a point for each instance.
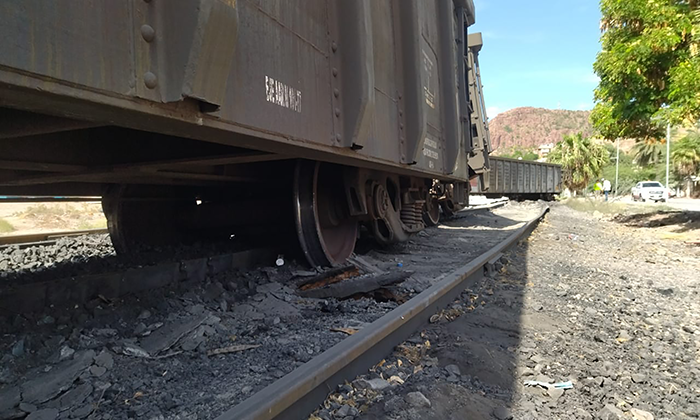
(194, 116)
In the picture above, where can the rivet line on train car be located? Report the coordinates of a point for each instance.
(148, 33)
(150, 80)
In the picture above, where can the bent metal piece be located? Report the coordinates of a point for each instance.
(300, 392)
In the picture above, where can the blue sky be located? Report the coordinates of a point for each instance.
(538, 53)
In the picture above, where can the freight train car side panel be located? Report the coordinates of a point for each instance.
(280, 76)
(82, 43)
(295, 75)
(518, 178)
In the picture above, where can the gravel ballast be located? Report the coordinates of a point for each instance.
(194, 350)
(610, 307)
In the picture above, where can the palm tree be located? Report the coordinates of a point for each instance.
(582, 160)
(648, 152)
(686, 157)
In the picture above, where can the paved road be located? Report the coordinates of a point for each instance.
(677, 203)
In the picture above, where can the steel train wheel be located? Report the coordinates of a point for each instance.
(326, 233)
(448, 208)
(136, 219)
(431, 211)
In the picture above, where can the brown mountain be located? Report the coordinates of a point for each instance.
(530, 127)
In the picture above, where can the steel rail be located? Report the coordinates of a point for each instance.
(300, 392)
(44, 238)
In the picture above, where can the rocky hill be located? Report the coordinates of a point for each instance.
(531, 127)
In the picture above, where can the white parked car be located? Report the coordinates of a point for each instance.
(649, 190)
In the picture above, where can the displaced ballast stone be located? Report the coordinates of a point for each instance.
(610, 412)
(376, 384)
(502, 413)
(417, 399)
(641, 414)
(45, 414)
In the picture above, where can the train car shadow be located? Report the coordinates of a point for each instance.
(485, 342)
(473, 366)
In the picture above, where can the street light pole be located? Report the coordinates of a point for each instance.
(617, 163)
(668, 150)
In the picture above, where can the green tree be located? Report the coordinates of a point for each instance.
(649, 67)
(685, 155)
(582, 160)
(648, 152)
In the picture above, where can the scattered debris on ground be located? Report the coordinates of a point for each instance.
(193, 350)
(587, 319)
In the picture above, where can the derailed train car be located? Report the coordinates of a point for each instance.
(197, 118)
(496, 176)
(522, 179)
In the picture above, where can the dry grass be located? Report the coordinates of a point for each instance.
(5, 226)
(39, 217)
(612, 207)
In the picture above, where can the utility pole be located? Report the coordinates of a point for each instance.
(617, 163)
(668, 150)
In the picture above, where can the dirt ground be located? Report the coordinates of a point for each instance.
(609, 302)
(25, 218)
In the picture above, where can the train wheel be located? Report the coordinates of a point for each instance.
(431, 211)
(326, 233)
(136, 217)
(448, 207)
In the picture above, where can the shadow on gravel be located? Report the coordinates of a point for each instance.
(485, 342)
(684, 221)
(470, 368)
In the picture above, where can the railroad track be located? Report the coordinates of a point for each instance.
(298, 394)
(44, 238)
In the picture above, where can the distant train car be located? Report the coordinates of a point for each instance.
(522, 179)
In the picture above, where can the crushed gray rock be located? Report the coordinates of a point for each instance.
(376, 384)
(9, 398)
(638, 414)
(60, 378)
(417, 399)
(259, 307)
(73, 397)
(613, 334)
(44, 414)
(105, 359)
(502, 413)
(610, 412)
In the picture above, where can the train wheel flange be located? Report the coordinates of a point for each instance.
(326, 233)
(431, 211)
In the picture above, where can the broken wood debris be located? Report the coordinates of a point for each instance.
(329, 277)
(353, 286)
(348, 331)
(232, 349)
